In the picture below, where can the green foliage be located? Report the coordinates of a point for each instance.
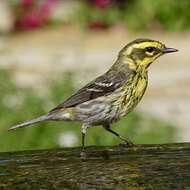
(139, 15)
(18, 105)
(87, 14)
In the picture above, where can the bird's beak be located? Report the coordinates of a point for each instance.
(169, 50)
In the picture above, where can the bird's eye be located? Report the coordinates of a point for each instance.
(149, 49)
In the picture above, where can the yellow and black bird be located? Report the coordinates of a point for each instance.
(111, 95)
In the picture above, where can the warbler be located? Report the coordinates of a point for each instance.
(112, 95)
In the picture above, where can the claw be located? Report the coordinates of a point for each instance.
(127, 143)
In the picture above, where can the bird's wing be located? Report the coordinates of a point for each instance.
(101, 86)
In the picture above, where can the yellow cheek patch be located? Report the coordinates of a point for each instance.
(132, 65)
(146, 61)
(129, 50)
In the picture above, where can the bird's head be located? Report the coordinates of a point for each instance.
(142, 52)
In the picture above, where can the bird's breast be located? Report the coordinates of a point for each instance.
(133, 93)
(140, 87)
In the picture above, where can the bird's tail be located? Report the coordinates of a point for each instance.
(30, 122)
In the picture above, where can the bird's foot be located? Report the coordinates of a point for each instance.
(83, 155)
(127, 143)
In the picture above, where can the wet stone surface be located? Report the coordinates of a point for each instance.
(140, 167)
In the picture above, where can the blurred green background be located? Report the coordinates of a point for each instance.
(29, 22)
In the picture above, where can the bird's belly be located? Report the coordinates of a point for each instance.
(99, 111)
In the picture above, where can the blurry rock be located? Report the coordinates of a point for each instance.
(6, 17)
(67, 139)
(64, 11)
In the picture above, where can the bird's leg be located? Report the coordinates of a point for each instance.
(83, 131)
(127, 141)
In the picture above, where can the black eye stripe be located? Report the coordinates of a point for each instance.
(141, 53)
(150, 49)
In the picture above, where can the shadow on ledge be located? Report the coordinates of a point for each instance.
(141, 167)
